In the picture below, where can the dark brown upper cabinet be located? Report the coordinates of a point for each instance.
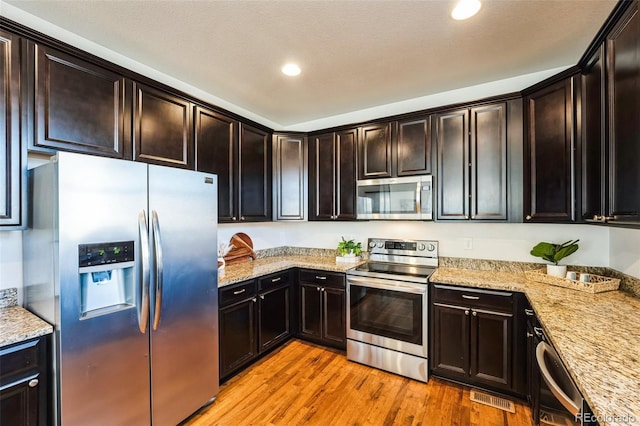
(375, 151)
(472, 163)
(161, 128)
(549, 161)
(290, 176)
(623, 87)
(216, 141)
(241, 157)
(399, 148)
(332, 175)
(78, 106)
(12, 151)
(254, 174)
(593, 144)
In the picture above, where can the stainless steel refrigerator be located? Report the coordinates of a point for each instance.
(121, 257)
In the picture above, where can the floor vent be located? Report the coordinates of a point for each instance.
(493, 401)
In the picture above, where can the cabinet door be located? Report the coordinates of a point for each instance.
(549, 154)
(489, 162)
(161, 128)
(322, 183)
(413, 147)
(78, 106)
(216, 142)
(346, 146)
(290, 177)
(310, 311)
(19, 403)
(450, 340)
(491, 344)
(453, 170)
(273, 317)
(374, 153)
(623, 73)
(334, 321)
(254, 170)
(594, 155)
(237, 336)
(12, 153)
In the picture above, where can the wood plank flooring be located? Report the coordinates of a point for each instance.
(305, 384)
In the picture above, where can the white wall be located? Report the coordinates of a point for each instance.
(624, 251)
(11, 261)
(505, 241)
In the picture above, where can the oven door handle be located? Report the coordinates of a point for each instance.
(384, 285)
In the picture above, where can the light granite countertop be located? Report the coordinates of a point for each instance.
(267, 265)
(596, 335)
(17, 325)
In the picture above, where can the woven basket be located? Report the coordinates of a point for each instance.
(596, 284)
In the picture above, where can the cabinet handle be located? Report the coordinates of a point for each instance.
(528, 312)
(275, 280)
(321, 277)
(529, 334)
(538, 331)
(528, 217)
(466, 217)
(262, 297)
(254, 300)
(241, 217)
(317, 288)
(321, 288)
(233, 218)
(464, 296)
(466, 312)
(239, 291)
(33, 383)
(475, 314)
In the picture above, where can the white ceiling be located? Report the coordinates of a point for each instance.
(354, 54)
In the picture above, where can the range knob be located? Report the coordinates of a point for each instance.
(431, 247)
(372, 244)
(421, 247)
(380, 244)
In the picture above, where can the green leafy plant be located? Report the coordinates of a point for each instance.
(554, 252)
(349, 246)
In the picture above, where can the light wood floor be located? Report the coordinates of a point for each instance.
(305, 384)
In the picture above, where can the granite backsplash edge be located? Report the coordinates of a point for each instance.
(8, 297)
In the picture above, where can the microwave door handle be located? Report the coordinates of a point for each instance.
(419, 197)
(383, 285)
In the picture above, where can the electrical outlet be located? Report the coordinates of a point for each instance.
(467, 243)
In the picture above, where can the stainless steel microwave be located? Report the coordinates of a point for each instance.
(403, 198)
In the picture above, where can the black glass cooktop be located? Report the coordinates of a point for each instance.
(396, 269)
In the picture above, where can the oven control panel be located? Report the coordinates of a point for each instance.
(419, 248)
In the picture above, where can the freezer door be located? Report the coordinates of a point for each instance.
(102, 355)
(184, 305)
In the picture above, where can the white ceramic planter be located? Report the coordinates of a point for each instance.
(557, 270)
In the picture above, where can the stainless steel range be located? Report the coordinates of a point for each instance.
(388, 307)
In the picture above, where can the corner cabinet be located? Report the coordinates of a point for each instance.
(399, 148)
(549, 184)
(323, 311)
(241, 157)
(13, 210)
(290, 177)
(474, 338)
(479, 154)
(25, 383)
(78, 106)
(332, 175)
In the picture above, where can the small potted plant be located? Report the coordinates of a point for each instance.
(349, 250)
(554, 253)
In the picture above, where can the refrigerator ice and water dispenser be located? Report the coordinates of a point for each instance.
(106, 277)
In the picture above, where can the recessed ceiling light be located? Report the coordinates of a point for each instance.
(291, 70)
(465, 9)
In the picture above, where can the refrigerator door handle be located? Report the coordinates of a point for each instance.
(143, 308)
(157, 243)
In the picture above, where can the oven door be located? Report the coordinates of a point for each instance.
(387, 313)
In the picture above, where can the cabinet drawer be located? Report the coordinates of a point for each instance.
(322, 278)
(236, 292)
(271, 281)
(17, 360)
(473, 298)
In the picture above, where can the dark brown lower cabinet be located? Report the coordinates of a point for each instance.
(254, 317)
(24, 383)
(323, 307)
(474, 339)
